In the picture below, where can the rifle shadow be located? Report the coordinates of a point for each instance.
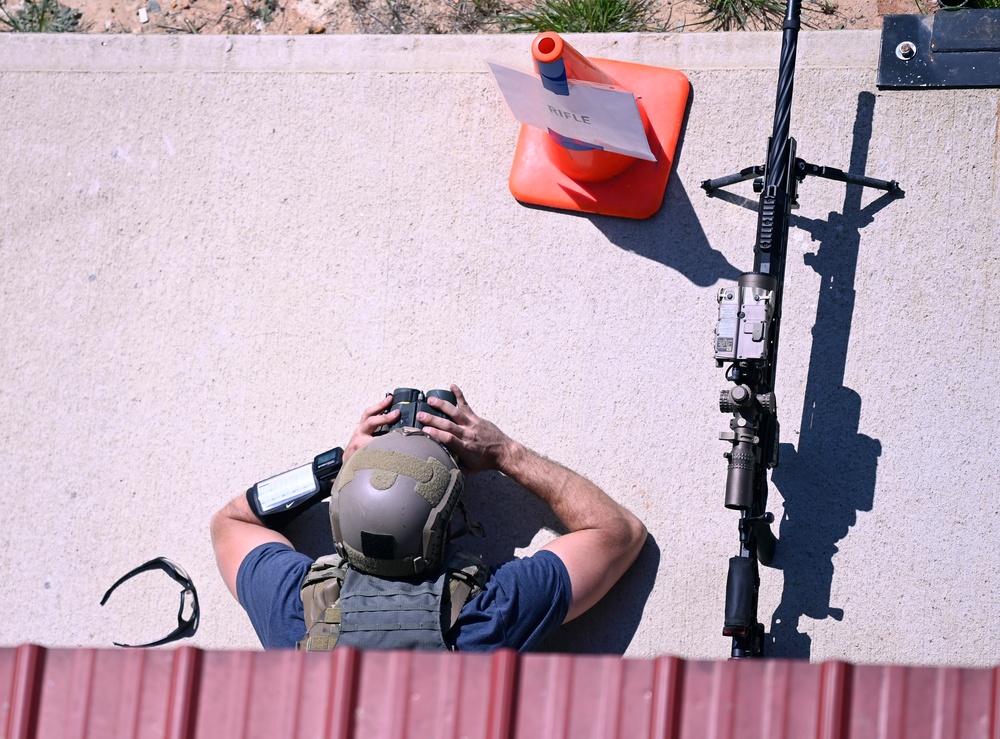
(830, 475)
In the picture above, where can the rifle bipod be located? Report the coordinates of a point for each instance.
(802, 170)
(746, 339)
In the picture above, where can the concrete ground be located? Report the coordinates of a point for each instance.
(218, 250)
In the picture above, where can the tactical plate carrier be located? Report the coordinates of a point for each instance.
(345, 606)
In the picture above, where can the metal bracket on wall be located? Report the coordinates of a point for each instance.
(952, 48)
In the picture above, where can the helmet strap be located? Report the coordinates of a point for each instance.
(471, 525)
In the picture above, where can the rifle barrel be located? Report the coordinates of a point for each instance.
(777, 163)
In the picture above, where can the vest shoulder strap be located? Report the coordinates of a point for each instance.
(467, 576)
(320, 593)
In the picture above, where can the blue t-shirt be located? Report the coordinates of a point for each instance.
(524, 601)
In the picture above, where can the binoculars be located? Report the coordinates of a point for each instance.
(277, 500)
(409, 402)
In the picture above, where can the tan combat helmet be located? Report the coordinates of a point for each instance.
(392, 503)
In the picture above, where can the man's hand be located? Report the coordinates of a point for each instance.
(477, 444)
(371, 419)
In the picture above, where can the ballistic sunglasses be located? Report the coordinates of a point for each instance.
(185, 626)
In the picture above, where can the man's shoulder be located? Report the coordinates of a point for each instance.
(523, 602)
(267, 586)
(530, 575)
(271, 559)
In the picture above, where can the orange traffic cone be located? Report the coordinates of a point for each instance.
(558, 172)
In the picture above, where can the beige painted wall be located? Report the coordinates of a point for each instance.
(217, 251)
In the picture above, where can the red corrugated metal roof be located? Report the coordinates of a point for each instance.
(186, 693)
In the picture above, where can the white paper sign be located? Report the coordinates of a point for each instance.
(601, 115)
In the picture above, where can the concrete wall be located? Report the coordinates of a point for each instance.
(217, 251)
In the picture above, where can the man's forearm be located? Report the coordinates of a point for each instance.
(578, 502)
(548, 480)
